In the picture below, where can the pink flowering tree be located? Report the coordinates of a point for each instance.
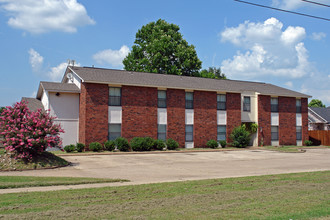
(27, 133)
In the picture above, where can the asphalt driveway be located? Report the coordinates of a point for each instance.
(165, 167)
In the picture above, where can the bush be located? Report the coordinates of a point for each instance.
(240, 136)
(95, 146)
(142, 143)
(212, 144)
(171, 144)
(159, 145)
(122, 144)
(308, 143)
(110, 145)
(80, 147)
(70, 148)
(223, 143)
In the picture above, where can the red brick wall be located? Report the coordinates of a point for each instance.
(287, 120)
(93, 113)
(264, 119)
(139, 112)
(304, 115)
(233, 112)
(205, 117)
(176, 115)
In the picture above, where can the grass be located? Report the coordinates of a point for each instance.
(44, 160)
(289, 148)
(287, 196)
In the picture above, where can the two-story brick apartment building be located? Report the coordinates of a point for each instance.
(101, 104)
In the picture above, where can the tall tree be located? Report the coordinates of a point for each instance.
(316, 103)
(160, 48)
(212, 72)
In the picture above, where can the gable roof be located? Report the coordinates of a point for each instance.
(122, 77)
(33, 103)
(57, 87)
(322, 112)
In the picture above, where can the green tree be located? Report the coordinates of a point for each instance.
(160, 48)
(1, 109)
(212, 72)
(316, 103)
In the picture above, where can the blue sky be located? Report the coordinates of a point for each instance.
(247, 42)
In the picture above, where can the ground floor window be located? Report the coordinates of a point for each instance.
(274, 131)
(298, 133)
(161, 133)
(189, 133)
(114, 131)
(221, 133)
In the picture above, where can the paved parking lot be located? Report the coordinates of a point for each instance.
(164, 167)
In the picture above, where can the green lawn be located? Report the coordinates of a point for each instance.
(288, 196)
(291, 148)
(31, 181)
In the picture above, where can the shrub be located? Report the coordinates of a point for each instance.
(95, 146)
(80, 147)
(212, 144)
(28, 133)
(159, 145)
(122, 144)
(171, 144)
(70, 148)
(142, 143)
(223, 143)
(240, 136)
(110, 145)
(308, 143)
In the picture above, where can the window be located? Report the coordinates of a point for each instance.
(298, 133)
(274, 104)
(189, 100)
(247, 104)
(221, 102)
(189, 133)
(161, 99)
(114, 131)
(298, 105)
(274, 133)
(161, 133)
(221, 132)
(114, 96)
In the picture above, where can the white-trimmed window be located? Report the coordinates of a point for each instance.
(274, 104)
(114, 96)
(221, 102)
(221, 133)
(189, 133)
(161, 132)
(161, 98)
(189, 100)
(299, 133)
(247, 104)
(114, 131)
(274, 133)
(298, 105)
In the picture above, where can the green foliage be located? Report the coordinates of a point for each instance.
(1, 109)
(308, 143)
(212, 144)
(80, 147)
(160, 48)
(240, 136)
(316, 103)
(70, 148)
(110, 145)
(212, 72)
(223, 143)
(159, 145)
(171, 144)
(142, 143)
(253, 128)
(95, 146)
(122, 144)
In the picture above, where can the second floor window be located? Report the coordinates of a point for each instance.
(161, 99)
(247, 104)
(274, 104)
(114, 96)
(298, 105)
(221, 102)
(189, 100)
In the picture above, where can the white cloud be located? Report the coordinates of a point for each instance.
(318, 87)
(269, 50)
(46, 15)
(36, 60)
(56, 73)
(318, 36)
(112, 57)
(289, 84)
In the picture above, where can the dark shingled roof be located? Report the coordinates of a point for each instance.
(33, 103)
(122, 77)
(323, 112)
(57, 87)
